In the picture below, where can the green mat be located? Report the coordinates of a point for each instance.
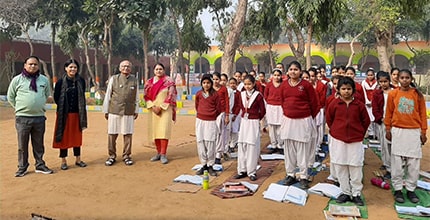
(424, 201)
(363, 209)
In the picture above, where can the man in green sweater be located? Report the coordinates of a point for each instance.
(27, 93)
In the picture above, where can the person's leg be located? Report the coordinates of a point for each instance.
(397, 172)
(63, 156)
(413, 166)
(37, 134)
(112, 145)
(252, 158)
(290, 157)
(128, 139)
(344, 178)
(241, 158)
(23, 134)
(163, 145)
(356, 179)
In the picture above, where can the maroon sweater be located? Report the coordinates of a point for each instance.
(257, 110)
(378, 105)
(347, 123)
(207, 108)
(273, 95)
(225, 101)
(299, 101)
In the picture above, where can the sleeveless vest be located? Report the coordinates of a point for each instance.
(123, 98)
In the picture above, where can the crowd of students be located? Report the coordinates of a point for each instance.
(294, 108)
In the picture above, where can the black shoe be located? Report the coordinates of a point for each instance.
(217, 160)
(357, 200)
(383, 167)
(110, 161)
(21, 172)
(240, 175)
(398, 195)
(211, 171)
(44, 170)
(288, 181)
(343, 198)
(226, 156)
(387, 175)
(253, 177)
(304, 184)
(274, 150)
(81, 164)
(412, 196)
(201, 170)
(281, 151)
(64, 166)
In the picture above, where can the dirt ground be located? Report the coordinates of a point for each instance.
(138, 191)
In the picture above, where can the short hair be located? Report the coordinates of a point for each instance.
(346, 81)
(30, 57)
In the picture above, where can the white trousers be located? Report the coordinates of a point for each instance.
(295, 155)
(221, 139)
(385, 147)
(247, 158)
(350, 179)
(412, 165)
(206, 151)
(275, 136)
(333, 175)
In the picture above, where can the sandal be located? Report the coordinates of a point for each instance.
(81, 164)
(110, 161)
(128, 161)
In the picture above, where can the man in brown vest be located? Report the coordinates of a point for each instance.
(121, 107)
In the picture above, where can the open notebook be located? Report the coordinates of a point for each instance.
(282, 193)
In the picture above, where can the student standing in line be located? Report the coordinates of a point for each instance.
(253, 110)
(359, 92)
(369, 85)
(69, 95)
(235, 118)
(348, 120)
(406, 126)
(223, 119)
(379, 105)
(208, 109)
(238, 76)
(395, 77)
(272, 95)
(300, 106)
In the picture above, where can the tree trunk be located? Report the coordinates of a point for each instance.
(30, 44)
(382, 42)
(96, 64)
(334, 54)
(351, 45)
(300, 50)
(231, 42)
(180, 48)
(45, 72)
(145, 37)
(308, 46)
(188, 73)
(53, 28)
(200, 63)
(84, 38)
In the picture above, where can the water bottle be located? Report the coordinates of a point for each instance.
(205, 180)
(378, 182)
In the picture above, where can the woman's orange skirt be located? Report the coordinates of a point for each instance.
(72, 136)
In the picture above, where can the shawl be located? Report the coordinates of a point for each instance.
(152, 89)
(62, 106)
(33, 77)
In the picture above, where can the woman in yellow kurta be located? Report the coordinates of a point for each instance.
(160, 97)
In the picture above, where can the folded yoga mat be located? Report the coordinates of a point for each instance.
(191, 188)
(263, 173)
(363, 209)
(424, 201)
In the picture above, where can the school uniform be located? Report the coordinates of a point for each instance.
(253, 109)
(405, 118)
(207, 108)
(273, 95)
(348, 125)
(379, 105)
(222, 136)
(369, 87)
(321, 91)
(300, 106)
(234, 125)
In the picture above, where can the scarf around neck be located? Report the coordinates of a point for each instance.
(33, 77)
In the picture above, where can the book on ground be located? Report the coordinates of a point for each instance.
(423, 184)
(417, 211)
(272, 156)
(329, 216)
(282, 193)
(193, 179)
(326, 189)
(344, 210)
(242, 186)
